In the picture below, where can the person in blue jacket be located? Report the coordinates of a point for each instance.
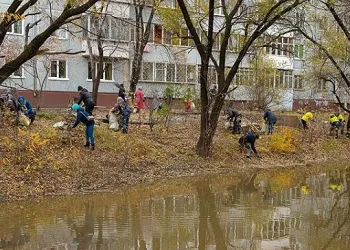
(270, 119)
(82, 116)
(248, 141)
(25, 107)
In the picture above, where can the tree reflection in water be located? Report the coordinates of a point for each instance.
(338, 221)
(85, 232)
(258, 211)
(207, 210)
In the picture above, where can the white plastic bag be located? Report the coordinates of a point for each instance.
(59, 124)
(113, 121)
(23, 120)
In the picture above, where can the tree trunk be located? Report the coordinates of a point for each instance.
(135, 71)
(100, 68)
(95, 87)
(141, 39)
(205, 139)
(203, 215)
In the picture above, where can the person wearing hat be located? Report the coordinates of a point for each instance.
(121, 92)
(140, 99)
(233, 116)
(86, 98)
(122, 111)
(270, 120)
(25, 107)
(84, 117)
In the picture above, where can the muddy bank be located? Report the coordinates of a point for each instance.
(43, 161)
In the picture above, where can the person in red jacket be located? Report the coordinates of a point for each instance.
(140, 103)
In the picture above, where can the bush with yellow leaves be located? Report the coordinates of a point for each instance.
(283, 140)
(29, 149)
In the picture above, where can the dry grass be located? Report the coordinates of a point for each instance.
(40, 160)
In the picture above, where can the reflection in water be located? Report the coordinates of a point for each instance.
(284, 210)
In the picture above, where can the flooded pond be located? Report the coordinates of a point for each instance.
(292, 209)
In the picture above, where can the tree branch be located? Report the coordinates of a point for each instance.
(67, 52)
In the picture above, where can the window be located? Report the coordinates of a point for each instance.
(158, 34)
(58, 69)
(288, 79)
(282, 46)
(147, 71)
(108, 28)
(212, 77)
(282, 78)
(216, 37)
(167, 37)
(298, 82)
(170, 73)
(170, 3)
(322, 84)
(16, 28)
(299, 51)
(184, 37)
(107, 71)
(18, 73)
(244, 76)
(191, 73)
(160, 72)
(218, 7)
(235, 43)
(151, 29)
(120, 30)
(181, 73)
(175, 40)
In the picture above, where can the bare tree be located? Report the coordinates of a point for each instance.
(253, 22)
(22, 9)
(328, 59)
(261, 88)
(141, 37)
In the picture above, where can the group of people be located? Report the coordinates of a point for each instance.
(19, 105)
(233, 116)
(121, 109)
(248, 140)
(336, 121)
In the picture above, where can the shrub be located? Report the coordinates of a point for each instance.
(283, 141)
(30, 150)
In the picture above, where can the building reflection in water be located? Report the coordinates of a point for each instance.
(252, 213)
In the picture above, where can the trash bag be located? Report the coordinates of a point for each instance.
(62, 125)
(264, 127)
(113, 121)
(23, 120)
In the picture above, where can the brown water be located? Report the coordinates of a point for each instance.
(265, 210)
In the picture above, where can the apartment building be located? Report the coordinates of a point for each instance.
(168, 59)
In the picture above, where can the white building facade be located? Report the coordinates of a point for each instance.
(167, 60)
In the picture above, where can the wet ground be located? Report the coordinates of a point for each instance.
(292, 209)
